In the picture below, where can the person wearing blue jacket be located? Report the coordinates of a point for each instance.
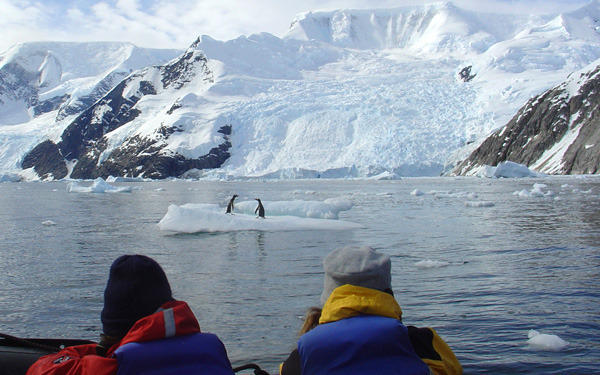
(359, 329)
(145, 331)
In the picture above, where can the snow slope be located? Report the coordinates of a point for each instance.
(364, 92)
(383, 93)
(44, 85)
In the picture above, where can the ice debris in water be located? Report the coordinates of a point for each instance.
(123, 179)
(479, 204)
(453, 194)
(417, 193)
(536, 191)
(576, 191)
(545, 341)
(48, 223)
(428, 263)
(98, 186)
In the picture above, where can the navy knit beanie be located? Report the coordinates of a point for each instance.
(137, 286)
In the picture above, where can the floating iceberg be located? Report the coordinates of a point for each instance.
(507, 169)
(98, 186)
(428, 263)
(194, 218)
(544, 341)
(536, 191)
(327, 209)
(417, 193)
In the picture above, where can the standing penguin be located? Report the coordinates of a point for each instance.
(230, 204)
(260, 209)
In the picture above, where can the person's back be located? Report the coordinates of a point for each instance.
(199, 353)
(361, 345)
(145, 331)
(360, 328)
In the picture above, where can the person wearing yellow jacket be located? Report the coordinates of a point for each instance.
(359, 330)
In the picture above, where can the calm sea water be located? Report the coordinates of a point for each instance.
(523, 263)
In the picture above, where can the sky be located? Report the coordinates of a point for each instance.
(177, 23)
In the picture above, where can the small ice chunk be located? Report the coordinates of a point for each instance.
(428, 263)
(48, 223)
(417, 193)
(98, 186)
(479, 204)
(545, 341)
(536, 191)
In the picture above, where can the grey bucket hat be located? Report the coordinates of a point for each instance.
(359, 266)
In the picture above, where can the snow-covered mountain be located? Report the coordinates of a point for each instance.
(130, 132)
(406, 91)
(37, 78)
(556, 132)
(44, 85)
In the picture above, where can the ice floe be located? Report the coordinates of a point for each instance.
(543, 341)
(194, 218)
(536, 191)
(98, 186)
(479, 204)
(428, 263)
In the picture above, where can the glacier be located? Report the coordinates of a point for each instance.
(346, 93)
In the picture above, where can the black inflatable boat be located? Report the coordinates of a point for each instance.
(17, 354)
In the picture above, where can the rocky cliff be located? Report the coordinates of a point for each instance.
(556, 132)
(99, 143)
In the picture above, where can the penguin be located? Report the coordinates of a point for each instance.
(230, 204)
(260, 209)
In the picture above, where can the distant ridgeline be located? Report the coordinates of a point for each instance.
(138, 152)
(556, 132)
(379, 93)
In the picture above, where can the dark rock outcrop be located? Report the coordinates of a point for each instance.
(84, 141)
(74, 107)
(465, 74)
(113, 111)
(183, 69)
(145, 156)
(49, 105)
(557, 132)
(46, 160)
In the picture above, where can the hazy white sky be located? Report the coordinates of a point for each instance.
(176, 23)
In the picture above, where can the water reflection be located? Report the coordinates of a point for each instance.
(260, 243)
(522, 264)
